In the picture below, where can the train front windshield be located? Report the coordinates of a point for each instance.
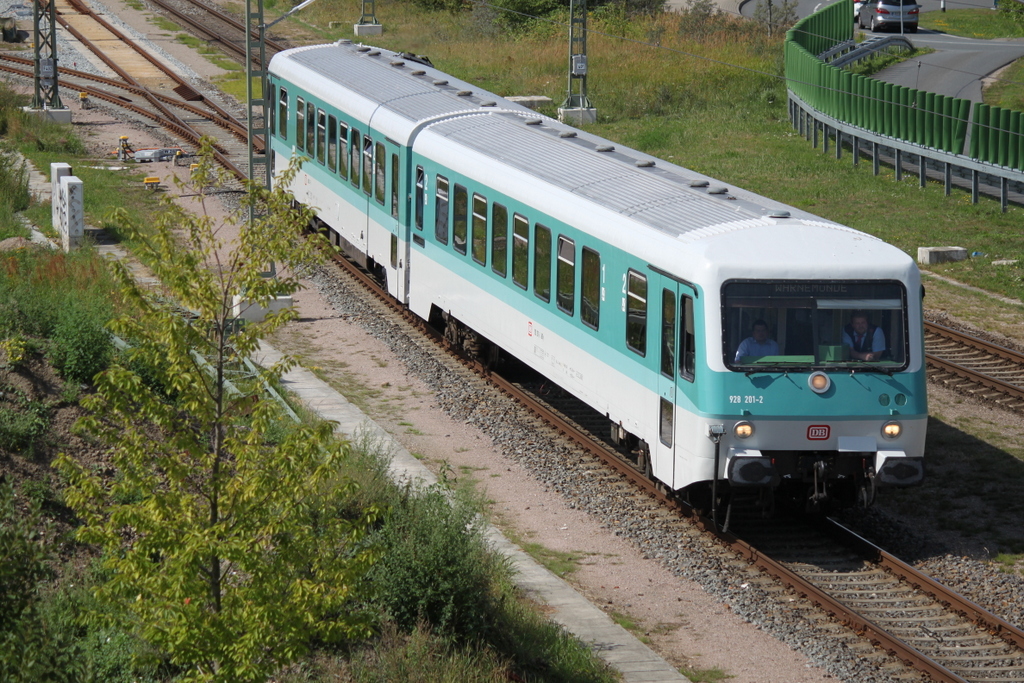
(791, 324)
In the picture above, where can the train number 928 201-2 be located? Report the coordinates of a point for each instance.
(734, 398)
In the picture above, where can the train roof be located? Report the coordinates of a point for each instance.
(504, 142)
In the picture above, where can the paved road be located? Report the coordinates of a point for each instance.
(958, 67)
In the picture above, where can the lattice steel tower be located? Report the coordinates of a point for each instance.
(44, 21)
(577, 97)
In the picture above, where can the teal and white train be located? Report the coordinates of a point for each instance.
(629, 281)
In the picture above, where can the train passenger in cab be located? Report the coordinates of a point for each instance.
(758, 344)
(865, 341)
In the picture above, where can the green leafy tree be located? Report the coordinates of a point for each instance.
(226, 549)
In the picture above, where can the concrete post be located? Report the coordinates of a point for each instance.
(57, 171)
(73, 214)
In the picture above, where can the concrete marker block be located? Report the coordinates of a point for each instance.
(930, 255)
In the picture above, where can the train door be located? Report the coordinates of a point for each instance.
(663, 452)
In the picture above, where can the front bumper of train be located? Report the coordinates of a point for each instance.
(888, 468)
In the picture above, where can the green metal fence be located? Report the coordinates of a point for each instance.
(908, 114)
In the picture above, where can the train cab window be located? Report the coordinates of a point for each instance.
(300, 124)
(479, 229)
(815, 324)
(460, 219)
(355, 155)
(668, 333)
(321, 134)
(590, 289)
(499, 239)
(332, 143)
(394, 186)
(310, 128)
(367, 165)
(343, 150)
(687, 337)
(520, 250)
(379, 176)
(636, 312)
(421, 196)
(565, 279)
(542, 262)
(282, 114)
(441, 210)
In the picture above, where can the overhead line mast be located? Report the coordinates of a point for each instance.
(577, 107)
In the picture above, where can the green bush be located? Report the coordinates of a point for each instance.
(80, 345)
(436, 569)
(21, 423)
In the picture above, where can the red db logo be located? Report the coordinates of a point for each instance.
(818, 432)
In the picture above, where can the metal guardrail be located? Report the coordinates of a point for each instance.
(977, 176)
(850, 51)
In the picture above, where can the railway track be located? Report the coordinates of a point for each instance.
(142, 83)
(972, 365)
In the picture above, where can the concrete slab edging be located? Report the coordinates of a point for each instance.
(622, 651)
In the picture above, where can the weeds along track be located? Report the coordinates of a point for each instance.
(972, 365)
(869, 604)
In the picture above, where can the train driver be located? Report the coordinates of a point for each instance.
(865, 341)
(758, 344)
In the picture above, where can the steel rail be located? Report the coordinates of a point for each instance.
(1012, 390)
(199, 28)
(974, 342)
(877, 635)
(229, 124)
(954, 601)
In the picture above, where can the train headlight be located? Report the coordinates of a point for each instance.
(891, 430)
(819, 382)
(743, 429)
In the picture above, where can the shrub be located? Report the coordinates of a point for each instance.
(22, 423)
(81, 347)
(436, 569)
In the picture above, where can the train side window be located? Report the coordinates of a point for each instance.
(566, 275)
(343, 150)
(590, 289)
(460, 219)
(394, 186)
(367, 165)
(687, 350)
(379, 173)
(520, 250)
(636, 312)
(668, 333)
(665, 429)
(441, 211)
(480, 229)
(421, 196)
(282, 114)
(300, 124)
(332, 143)
(271, 95)
(356, 135)
(499, 239)
(321, 134)
(310, 128)
(542, 262)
